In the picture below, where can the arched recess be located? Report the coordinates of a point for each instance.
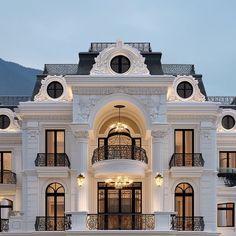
(105, 110)
(55, 205)
(6, 206)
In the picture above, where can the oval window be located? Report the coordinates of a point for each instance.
(4, 122)
(228, 122)
(120, 64)
(55, 89)
(185, 89)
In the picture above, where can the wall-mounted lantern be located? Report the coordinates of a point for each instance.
(159, 179)
(80, 180)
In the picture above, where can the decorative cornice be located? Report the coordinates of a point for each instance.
(43, 95)
(103, 60)
(119, 89)
(196, 96)
(14, 126)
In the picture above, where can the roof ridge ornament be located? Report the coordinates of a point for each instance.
(102, 64)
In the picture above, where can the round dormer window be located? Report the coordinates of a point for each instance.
(4, 122)
(55, 89)
(185, 89)
(120, 64)
(228, 122)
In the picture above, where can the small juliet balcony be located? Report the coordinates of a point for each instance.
(7, 177)
(186, 164)
(190, 223)
(119, 160)
(228, 175)
(52, 164)
(51, 223)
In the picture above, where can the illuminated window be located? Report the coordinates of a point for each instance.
(225, 215)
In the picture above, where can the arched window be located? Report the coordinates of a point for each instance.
(6, 207)
(119, 138)
(55, 207)
(184, 206)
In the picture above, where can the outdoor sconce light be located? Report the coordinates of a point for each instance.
(80, 180)
(159, 179)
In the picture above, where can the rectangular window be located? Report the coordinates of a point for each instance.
(225, 215)
(5, 164)
(55, 141)
(227, 159)
(184, 141)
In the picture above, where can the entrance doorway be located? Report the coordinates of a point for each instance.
(119, 209)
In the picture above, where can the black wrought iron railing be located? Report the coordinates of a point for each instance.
(119, 152)
(4, 225)
(120, 221)
(51, 223)
(7, 177)
(52, 159)
(229, 176)
(189, 223)
(186, 159)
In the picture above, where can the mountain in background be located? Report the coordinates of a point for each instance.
(16, 79)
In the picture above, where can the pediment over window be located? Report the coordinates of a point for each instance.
(119, 59)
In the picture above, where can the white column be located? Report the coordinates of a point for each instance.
(82, 155)
(157, 167)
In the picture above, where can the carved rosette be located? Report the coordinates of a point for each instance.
(103, 60)
(197, 96)
(14, 126)
(43, 95)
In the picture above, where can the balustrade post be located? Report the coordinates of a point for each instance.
(163, 220)
(78, 220)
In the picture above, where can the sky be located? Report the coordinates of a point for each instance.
(199, 32)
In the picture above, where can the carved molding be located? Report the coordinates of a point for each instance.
(226, 112)
(43, 95)
(118, 89)
(103, 60)
(162, 133)
(14, 126)
(197, 96)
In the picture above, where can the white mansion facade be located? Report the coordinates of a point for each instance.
(118, 144)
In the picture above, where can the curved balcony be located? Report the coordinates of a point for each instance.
(187, 223)
(119, 160)
(7, 177)
(229, 176)
(187, 160)
(52, 160)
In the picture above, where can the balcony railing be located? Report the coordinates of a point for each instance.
(186, 159)
(120, 221)
(119, 152)
(229, 175)
(51, 223)
(7, 177)
(52, 159)
(4, 225)
(195, 223)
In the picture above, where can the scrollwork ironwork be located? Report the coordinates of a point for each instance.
(186, 159)
(120, 221)
(52, 159)
(119, 152)
(7, 177)
(4, 225)
(187, 223)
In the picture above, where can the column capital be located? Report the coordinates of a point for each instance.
(160, 131)
(80, 131)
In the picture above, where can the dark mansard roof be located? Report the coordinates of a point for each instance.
(87, 59)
